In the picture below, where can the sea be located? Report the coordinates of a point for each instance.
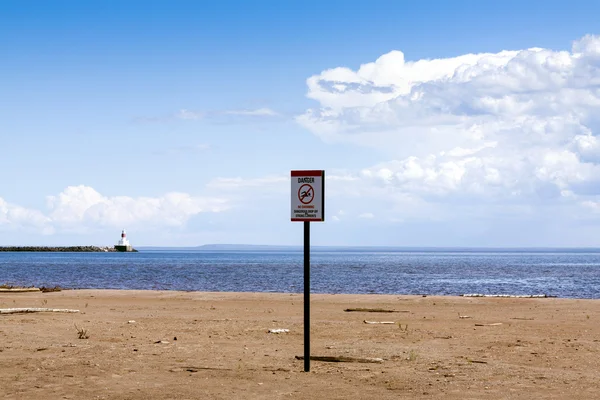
(560, 273)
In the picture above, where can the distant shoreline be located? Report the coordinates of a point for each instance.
(390, 249)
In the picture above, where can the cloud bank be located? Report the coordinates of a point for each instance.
(81, 207)
(514, 126)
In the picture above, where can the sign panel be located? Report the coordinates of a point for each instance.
(308, 195)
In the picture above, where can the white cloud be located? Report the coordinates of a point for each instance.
(196, 115)
(16, 217)
(367, 215)
(256, 113)
(192, 115)
(82, 207)
(511, 126)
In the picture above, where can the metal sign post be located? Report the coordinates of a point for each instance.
(308, 204)
(306, 296)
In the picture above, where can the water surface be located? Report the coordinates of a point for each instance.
(573, 274)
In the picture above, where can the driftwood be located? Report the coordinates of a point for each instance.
(196, 369)
(512, 296)
(279, 330)
(381, 310)
(494, 324)
(34, 310)
(19, 290)
(343, 359)
(379, 322)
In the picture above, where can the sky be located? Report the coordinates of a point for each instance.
(463, 123)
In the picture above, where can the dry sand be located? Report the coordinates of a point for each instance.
(543, 348)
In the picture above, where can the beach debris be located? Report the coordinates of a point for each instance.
(131, 322)
(279, 330)
(34, 310)
(477, 361)
(82, 333)
(412, 355)
(378, 310)
(45, 289)
(161, 342)
(494, 324)
(18, 289)
(523, 318)
(271, 369)
(513, 296)
(196, 369)
(342, 359)
(463, 316)
(379, 322)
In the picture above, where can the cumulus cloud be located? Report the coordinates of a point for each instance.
(83, 204)
(81, 207)
(15, 217)
(508, 126)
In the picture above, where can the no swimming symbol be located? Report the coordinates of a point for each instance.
(306, 194)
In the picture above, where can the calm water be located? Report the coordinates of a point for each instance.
(562, 274)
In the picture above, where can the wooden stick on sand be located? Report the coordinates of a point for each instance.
(34, 310)
(342, 359)
(381, 310)
(379, 322)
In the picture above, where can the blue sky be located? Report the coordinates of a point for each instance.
(181, 120)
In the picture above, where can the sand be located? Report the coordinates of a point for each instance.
(190, 345)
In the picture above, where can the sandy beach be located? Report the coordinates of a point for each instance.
(191, 345)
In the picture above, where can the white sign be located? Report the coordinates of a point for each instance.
(308, 195)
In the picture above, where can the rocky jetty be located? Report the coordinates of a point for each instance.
(73, 249)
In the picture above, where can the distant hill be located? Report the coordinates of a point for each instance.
(252, 247)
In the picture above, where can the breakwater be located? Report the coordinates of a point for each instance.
(67, 249)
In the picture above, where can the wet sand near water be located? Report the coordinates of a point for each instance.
(192, 345)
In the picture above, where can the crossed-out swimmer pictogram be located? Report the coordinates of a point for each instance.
(306, 194)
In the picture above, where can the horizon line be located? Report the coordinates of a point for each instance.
(372, 246)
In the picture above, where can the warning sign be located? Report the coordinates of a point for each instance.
(308, 195)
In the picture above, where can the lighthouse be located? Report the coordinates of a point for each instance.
(123, 244)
